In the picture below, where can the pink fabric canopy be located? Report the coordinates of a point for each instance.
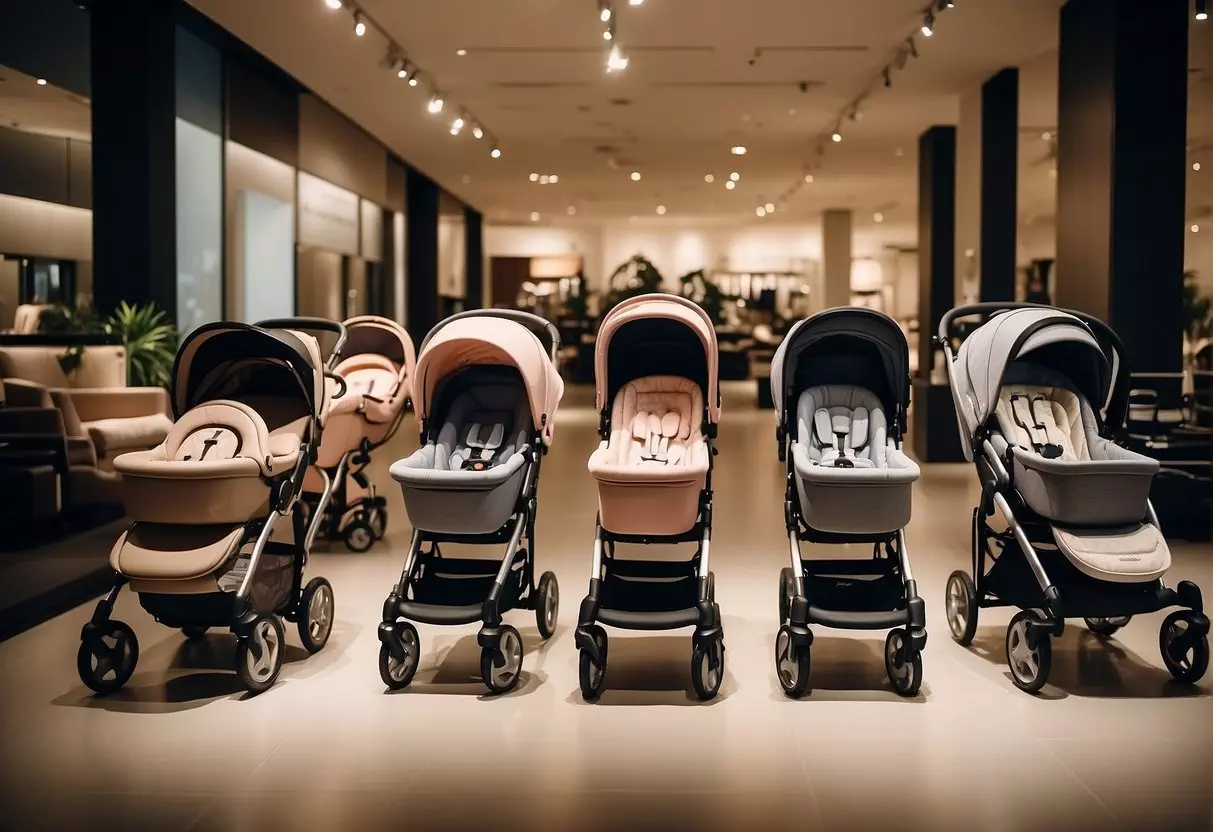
(658, 305)
(480, 341)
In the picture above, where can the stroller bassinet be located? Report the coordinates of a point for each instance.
(656, 392)
(375, 365)
(249, 404)
(485, 391)
(840, 385)
(1039, 394)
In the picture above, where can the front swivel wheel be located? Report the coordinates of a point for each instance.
(547, 605)
(592, 674)
(501, 667)
(259, 654)
(904, 669)
(1185, 653)
(107, 656)
(707, 668)
(397, 673)
(961, 607)
(1029, 664)
(791, 664)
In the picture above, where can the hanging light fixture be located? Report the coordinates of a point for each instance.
(836, 137)
(928, 25)
(435, 105)
(333, 4)
(1202, 10)
(359, 25)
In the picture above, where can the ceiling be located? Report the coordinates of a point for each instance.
(33, 108)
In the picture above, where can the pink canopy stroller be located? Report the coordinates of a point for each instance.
(656, 392)
(375, 367)
(485, 392)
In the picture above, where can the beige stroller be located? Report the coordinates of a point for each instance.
(375, 366)
(485, 392)
(656, 391)
(203, 550)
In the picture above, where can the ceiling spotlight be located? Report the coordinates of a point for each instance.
(605, 14)
(435, 105)
(947, 4)
(413, 80)
(403, 72)
(770, 206)
(737, 150)
(616, 61)
(808, 178)
(359, 25)
(571, 210)
(888, 81)
(898, 152)
(660, 208)
(734, 176)
(709, 178)
(461, 52)
(333, 4)
(730, 185)
(534, 177)
(836, 137)
(42, 82)
(1202, 10)
(477, 132)
(1046, 136)
(635, 176)
(607, 35)
(878, 217)
(1195, 228)
(635, 2)
(543, 180)
(928, 25)
(534, 216)
(456, 126)
(760, 211)
(1196, 166)
(495, 152)
(553, 179)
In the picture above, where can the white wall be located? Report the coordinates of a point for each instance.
(268, 233)
(968, 198)
(199, 226)
(248, 170)
(539, 241)
(45, 229)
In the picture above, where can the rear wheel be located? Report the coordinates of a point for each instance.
(107, 656)
(379, 522)
(359, 536)
(961, 601)
(787, 590)
(259, 654)
(905, 672)
(1029, 665)
(1185, 654)
(547, 605)
(316, 622)
(501, 667)
(791, 664)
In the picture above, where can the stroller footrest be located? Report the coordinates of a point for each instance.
(438, 614)
(845, 620)
(663, 620)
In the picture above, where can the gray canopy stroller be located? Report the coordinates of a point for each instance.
(1082, 539)
(485, 392)
(840, 383)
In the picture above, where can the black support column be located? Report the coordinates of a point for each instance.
(999, 167)
(421, 254)
(935, 437)
(1122, 103)
(134, 159)
(474, 226)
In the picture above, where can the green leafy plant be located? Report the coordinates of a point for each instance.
(697, 287)
(151, 343)
(66, 320)
(635, 276)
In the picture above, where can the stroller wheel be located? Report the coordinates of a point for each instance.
(1185, 655)
(397, 674)
(359, 536)
(1105, 627)
(379, 522)
(707, 668)
(547, 605)
(962, 607)
(1029, 666)
(787, 589)
(316, 623)
(502, 667)
(107, 656)
(194, 631)
(259, 655)
(791, 665)
(591, 675)
(905, 676)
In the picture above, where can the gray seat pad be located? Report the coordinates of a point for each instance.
(842, 436)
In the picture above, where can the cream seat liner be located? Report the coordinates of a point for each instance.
(170, 552)
(1125, 555)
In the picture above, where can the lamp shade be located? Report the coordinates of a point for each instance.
(866, 276)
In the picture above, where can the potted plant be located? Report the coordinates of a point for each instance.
(150, 341)
(635, 276)
(1198, 317)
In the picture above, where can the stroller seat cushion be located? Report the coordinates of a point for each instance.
(1127, 554)
(655, 432)
(1047, 420)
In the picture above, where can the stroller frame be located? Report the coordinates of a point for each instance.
(617, 585)
(1044, 585)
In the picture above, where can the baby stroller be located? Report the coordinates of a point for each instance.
(1082, 539)
(204, 549)
(656, 392)
(841, 385)
(485, 393)
(375, 364)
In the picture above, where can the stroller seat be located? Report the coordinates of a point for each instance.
(467, 476)
(850, 476)
(654, 465)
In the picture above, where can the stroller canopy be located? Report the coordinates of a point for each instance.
(238, 361)
(656, 334)
(483, 338)
(848, 345)
(379, 336)
(1045, 337)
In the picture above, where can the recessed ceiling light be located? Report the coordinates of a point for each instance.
(791, 111)
(571, 210)
(808, 178)
(635, 176)
(42, 82)
(737, 150)
(605, 14)
(734, 176)
(534, 216)
(543, 180)
(635, 2)
(709, 178)
(553, 179)
(760, 211)
(477, 132)
(770, 206)
(461, 52)
(534, 177)
(1046, 136)
(837, 137)
(661, 210)
(899, 153)
(1196, 166)
(495, 152)
(1052, 173)
(359, 25)
(466, 178)
(333, 4)
(435, 105)
(1195, 228)
(730, 185)
(878, 217)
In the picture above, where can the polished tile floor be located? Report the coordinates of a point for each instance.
(1110, 744)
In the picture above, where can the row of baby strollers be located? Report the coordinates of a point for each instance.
(254, 429)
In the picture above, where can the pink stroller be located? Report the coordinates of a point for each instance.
(375, 367)
(656, 392)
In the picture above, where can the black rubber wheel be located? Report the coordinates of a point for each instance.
(547, 605)
(787, 589)
(315, 619)
(1029, 667)
(359, 536)
(706, 678)
(501, 668)
(960, 606)
(1105, 627)
(194, 631)
(259, 655)
(1185, 655)
(397, 675)
(379, 522)
(904, 676)
(591, 675)
(108, 657)
(791, 665)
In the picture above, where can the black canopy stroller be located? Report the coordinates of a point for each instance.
(1040, 395)
(840, 382)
